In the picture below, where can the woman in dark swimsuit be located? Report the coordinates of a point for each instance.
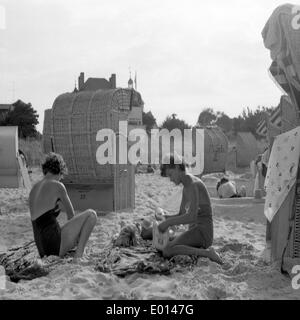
(44, 198)
(199, 237)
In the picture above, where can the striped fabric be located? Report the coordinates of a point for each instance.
(273, 119)
(281, 119)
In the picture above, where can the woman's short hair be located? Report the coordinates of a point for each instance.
(55, 164)
(181, 165)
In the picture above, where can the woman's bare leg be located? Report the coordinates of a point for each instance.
(85, 233)
(186, 250)
(188, 244)
(76, 232)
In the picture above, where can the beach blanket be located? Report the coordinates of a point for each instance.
(142, 257)
(281, 36)
(123, 262)
(282, 170)
(22, 263)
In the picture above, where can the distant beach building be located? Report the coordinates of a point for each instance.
(4, 109)
(94, 84)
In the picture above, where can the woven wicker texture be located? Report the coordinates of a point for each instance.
(247, 148)
(76, 118)
(215, 150)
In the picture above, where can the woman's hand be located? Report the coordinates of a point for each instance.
(162, 227)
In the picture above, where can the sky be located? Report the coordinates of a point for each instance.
(188, 55)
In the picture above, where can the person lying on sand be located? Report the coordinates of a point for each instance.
(227, 189)
(50, 238)
(199, 237)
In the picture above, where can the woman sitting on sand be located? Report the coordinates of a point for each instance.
(50, 238)
(199, 238)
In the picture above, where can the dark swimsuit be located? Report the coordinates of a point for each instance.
(47, 232)
(203, 228)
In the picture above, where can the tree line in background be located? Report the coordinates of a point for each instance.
(26, 118)
(246, 122)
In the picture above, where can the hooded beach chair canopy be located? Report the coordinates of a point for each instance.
(281, 35)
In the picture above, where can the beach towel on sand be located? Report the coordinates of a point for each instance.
(282, 170)
(21, 263)
(138, 257)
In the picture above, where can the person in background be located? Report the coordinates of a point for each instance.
(265, 161)
(260, 174)
(227, 189)
(138, 167)
(23, 157)
(150, 169)
(24, 160)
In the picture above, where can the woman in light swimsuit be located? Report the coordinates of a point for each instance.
(199, 238)
(44, 198)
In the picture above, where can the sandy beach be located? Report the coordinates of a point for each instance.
(112, 88)
(239, 237)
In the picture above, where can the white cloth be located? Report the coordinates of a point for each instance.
(282, 170)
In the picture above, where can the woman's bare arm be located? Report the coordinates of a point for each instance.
(66, 202)
(188, 217)
(182, 209)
